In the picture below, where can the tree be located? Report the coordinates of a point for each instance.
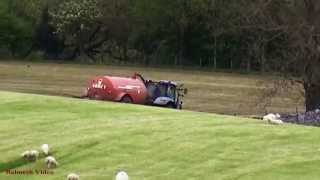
(303, 32)
(176, 27)
(46, 39)
(78, 23)
(15, 31)
(295, 23)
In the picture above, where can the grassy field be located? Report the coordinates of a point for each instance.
(225, 93)
(95, 139)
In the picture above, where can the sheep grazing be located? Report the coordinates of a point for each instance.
(275, 121)
(51, 162)
(30, 155)
(45, 149)
(25, 154)
(73, 176)
(34, 153)
(273, 118)
(122, 176)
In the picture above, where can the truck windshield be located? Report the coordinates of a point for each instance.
(171, 93)
(156, 90)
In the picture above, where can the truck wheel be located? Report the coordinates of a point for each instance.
(97, 97)
(126, 99)
(94, 97)
(171, 105)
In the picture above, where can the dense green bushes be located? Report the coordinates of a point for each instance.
(245, 35)
(205, 33)
(15, 31)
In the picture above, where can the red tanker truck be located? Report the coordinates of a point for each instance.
(136, 90)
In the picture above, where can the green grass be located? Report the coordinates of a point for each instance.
(95, 139)
(223, 93)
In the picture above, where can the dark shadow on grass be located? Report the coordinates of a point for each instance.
(80, 154)
(12, 164)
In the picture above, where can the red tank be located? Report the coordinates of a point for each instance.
(121, 89)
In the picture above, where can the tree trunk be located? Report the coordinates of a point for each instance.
(248, 65)
(146, 59)
(125, 53)
(12, 48)
(215, 63)
(312, 85)
(215, 50)
(262, 59)
(180, 55)
(312, 96)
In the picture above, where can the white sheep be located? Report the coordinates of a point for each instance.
(275, 121)
(73, 176)
(45, 149)
(51, 162)
(30, 155)
(34, 153)
(25, 154)
(122, 176)
(273, 118)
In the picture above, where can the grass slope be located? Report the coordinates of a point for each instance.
(95, 139)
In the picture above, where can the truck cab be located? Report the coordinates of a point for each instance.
(165, 94)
